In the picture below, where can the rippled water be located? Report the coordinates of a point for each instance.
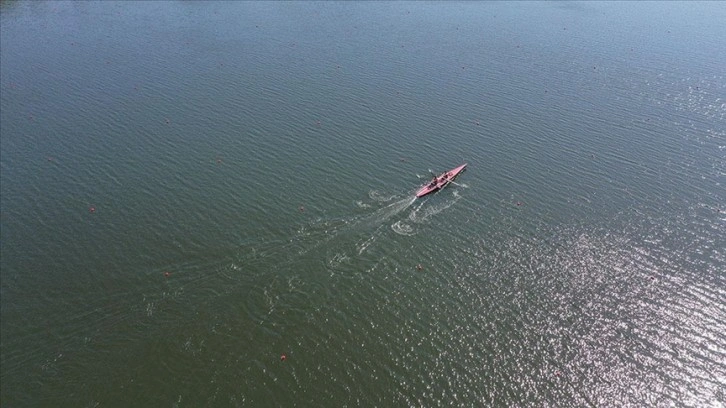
(211, 204)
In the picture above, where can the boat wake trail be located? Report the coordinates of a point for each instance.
(377, 196)
(421, 214)
(363, 229)
(401, 228)
(339, 241)
(377, 220)
(383, 214)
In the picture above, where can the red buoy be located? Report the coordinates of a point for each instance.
(91, 209)
(283, 357)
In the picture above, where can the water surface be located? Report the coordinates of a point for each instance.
(192, 190)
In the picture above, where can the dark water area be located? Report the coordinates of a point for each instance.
(212, 204)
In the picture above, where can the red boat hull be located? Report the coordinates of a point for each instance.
(440, 181)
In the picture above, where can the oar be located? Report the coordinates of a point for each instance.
(456, 184)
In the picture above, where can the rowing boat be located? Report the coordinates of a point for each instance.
(440, 181)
